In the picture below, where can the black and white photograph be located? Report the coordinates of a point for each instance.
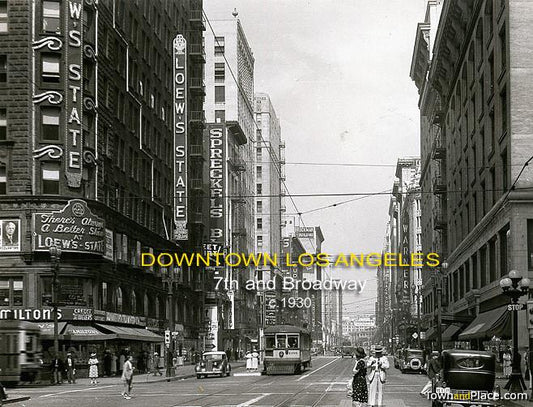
(266, 203)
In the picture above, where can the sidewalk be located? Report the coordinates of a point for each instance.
(182, 372)
(522, 403)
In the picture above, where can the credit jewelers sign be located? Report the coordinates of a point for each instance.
(180, 137)
(73, 91)
(74, 228)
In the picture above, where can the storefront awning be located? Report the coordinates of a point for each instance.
(85, 333)
(496, 322)
(431, 333)
(450, 334)
(133, 334)
(47, 329)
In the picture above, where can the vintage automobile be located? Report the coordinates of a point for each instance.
(412, 360)
(213, 364)
(467, 379)
(347, 351)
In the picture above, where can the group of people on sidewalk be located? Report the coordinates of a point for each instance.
(370, 375)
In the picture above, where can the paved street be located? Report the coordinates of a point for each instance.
(323, 385)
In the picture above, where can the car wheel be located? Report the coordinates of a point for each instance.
(198, 376)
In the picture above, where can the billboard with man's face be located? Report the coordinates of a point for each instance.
(9, 235)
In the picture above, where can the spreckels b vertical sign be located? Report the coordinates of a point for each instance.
(217, 169)
(180, 138)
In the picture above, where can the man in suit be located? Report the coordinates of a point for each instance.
(378, 365)
(70, 368)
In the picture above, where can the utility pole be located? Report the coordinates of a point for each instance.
(55, 258)
(170, 280)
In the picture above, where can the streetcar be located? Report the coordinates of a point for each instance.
(20, 352)
(287, 349)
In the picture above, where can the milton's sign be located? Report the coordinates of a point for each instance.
(74, 228)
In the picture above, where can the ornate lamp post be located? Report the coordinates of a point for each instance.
(514, 287)
(55, 258)
(170, 279)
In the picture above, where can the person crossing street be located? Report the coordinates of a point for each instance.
(378, 366)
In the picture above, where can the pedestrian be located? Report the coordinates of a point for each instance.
(155, 364)
(248, 361)
(378, 365)
(114, 361)
(433, 369)
(70, 368)
(127, 377)
(107, 363)
(507, 357)
(359, 387)
(255, 359)
(121, 360)
(228, 354)
(160, 364)
(93, 368)
(57, 370)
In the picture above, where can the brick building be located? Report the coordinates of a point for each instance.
(87, 133)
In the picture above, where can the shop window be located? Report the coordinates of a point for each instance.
(11, 292)
(3, 16)
(51, 17)
(50, 178)
(3, 179)
(50, 71)
(3, 124)
(3, 68)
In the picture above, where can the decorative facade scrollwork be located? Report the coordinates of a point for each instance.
(53, 97)
(51, 150)
(88, 103)
(88, 51)
(89, 158)
(53, 43)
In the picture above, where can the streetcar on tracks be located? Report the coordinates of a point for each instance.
(20, 352)
(287, 349)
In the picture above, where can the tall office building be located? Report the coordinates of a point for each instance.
(94, 99)
(229, 109)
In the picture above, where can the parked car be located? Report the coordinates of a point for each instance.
(412, 360)
(213, 363)
(466, 374)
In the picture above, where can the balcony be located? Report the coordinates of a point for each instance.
(196, 18)
(439, 186)
(239, 232)
(197, 53)
(197, 218)
(197, 118)
(196, 184)
(197, 87)
(196, 151)
(237, 164)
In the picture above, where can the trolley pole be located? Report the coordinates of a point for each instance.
(55, 257)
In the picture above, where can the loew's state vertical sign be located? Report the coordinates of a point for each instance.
(180, 137)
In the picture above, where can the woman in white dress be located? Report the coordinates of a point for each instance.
(93, 368)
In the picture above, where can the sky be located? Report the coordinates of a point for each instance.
(337, 72)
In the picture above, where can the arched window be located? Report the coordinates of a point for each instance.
(118, 298)
(133, 302)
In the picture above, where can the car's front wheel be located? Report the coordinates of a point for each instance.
(198, 376)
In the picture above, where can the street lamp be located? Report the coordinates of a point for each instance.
(170, 279)
(417, 294)
(55, 258)
(438, 283)
(514, 287)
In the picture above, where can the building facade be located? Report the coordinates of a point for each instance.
(229, 78)
(475, 107)
(87, 134)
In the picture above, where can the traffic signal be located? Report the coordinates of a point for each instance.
(167, 337)
(530, 314)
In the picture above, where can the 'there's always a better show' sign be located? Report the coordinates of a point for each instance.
(74, 228)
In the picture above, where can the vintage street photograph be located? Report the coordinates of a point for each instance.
(266, 203)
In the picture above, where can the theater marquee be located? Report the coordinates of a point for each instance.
(180, 138)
